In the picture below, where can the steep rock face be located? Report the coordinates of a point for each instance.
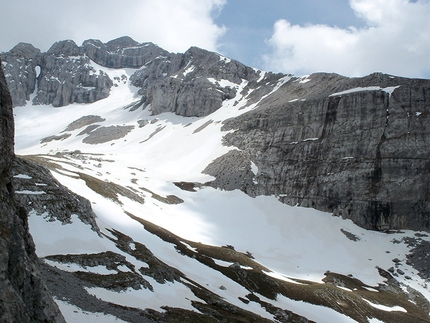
(20, 68)
(67, 77)
(362, 154)
(23, 295)
(194, 83)
(61, 76)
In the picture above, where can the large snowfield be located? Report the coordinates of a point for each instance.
(292, 242)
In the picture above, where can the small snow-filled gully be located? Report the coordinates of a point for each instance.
(167, 247)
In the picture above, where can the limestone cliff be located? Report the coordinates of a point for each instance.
(23, 295)
(357, 147)
(61, 76)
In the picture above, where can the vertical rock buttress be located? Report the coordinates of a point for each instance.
(23, 294)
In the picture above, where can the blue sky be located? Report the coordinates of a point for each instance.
(349, 37)
(250, 26)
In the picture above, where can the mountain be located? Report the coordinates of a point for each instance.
(190, 187)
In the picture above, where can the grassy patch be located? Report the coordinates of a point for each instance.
(186, 186)
(169, 199)
(43, 161)
(110, 190)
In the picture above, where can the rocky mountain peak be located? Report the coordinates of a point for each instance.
(122, 52)
(65, 48)
(66, 75)
(121, 42)
(25, 50)
(218, 66)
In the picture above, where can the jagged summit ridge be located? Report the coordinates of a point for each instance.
(67, 74)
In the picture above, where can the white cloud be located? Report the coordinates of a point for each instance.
(395, 40)
(174, 25)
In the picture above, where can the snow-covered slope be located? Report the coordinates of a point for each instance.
(186, 250)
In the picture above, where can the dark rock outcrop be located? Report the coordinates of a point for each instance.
(362, 154)
(23, 295)
(37, 190)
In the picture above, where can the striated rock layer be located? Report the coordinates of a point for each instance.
(23, 295)
(362, 154)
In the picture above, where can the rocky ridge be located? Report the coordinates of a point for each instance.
(187, 84)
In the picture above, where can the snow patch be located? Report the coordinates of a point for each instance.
(304, 79)
(313, 312)
(386, 308)
(169, 294)
(23, 176)
(262, 75)
(188, 70)
(224, 59)
(189, 247)
(74, 314)
(281, 82)
(310, 139)
(30, 192)
(388, 90)
(281, 277)
(254, 168)
(72, 267)
(223, 83)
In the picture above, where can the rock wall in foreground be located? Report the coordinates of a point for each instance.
(23, 295)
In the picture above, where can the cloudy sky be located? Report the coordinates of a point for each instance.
(352, 38)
